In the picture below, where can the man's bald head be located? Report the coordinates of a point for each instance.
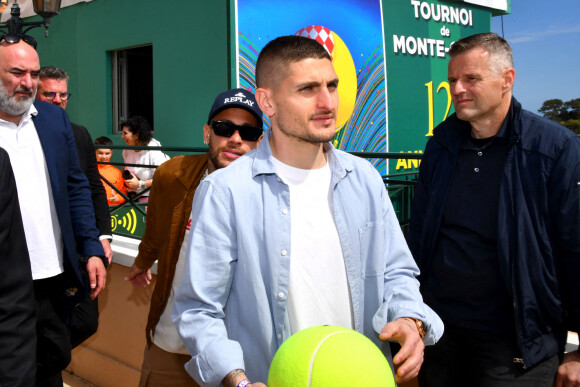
(21, 49)
(19, 69)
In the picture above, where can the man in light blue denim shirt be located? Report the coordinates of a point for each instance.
(293, 227)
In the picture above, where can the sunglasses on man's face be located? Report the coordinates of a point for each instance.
(15, 38)
(50, 95)
(227, 129)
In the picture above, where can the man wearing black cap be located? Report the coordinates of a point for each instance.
(234, 127)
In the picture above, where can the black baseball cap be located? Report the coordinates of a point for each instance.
(236, 98)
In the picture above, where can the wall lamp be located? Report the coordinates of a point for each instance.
(44, 8)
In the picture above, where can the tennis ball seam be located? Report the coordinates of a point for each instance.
(314, 354)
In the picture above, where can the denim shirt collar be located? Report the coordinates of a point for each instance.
(264, 164)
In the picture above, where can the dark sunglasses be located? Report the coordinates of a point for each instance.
(227, 129)
(15, 38)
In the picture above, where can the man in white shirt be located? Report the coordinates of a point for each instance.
(55, 202)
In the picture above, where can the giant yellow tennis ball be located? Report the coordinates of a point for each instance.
(330, 356)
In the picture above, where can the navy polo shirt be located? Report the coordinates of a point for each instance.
(464, 284)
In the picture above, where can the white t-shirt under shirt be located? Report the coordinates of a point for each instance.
(39, 217)
(318, 290)
(166, 336)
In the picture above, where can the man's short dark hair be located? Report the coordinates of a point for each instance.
(500, 52)
(280, 52)
(139, 126)
(103, 141)
(51, 72)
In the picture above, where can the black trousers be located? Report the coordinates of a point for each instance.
(465, 357)
(53, 350)
(84, 321)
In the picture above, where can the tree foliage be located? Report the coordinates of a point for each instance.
(566, 113)
(552, 109)
(573, 107)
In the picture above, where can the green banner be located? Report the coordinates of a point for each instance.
(128, 221)
(418, 35)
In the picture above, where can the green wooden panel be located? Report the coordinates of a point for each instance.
(129, 221)
(190, 60)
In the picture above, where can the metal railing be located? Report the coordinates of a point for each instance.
(128, 218)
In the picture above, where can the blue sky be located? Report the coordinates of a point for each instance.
(545, 38)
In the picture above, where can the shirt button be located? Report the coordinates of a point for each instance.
(281, 295)
(480, 153)
(285, 211)
(284, 252)
(279, 336)
(476, 169)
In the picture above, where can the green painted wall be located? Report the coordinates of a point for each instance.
(193, 61)
(194, 56)
(190, 60)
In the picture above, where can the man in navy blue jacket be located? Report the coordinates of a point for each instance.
(53, 88)
(55, 202)
(495, 230)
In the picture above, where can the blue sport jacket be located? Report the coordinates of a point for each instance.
(538, 229)
(72, 197)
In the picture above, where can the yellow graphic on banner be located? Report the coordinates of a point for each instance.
(128, 221)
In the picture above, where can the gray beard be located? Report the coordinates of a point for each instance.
(13, 107)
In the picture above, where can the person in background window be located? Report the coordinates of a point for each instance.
(110, 172)
(138, 132)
